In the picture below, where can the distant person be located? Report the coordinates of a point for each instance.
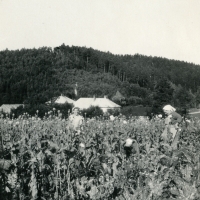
(75, 120)
(131, 147)
(172, 124)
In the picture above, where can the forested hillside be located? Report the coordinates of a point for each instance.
(36, 75)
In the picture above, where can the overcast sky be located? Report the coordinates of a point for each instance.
(164, 28)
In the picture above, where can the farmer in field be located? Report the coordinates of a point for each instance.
(172, 121)
(75, 120)
(131, 147)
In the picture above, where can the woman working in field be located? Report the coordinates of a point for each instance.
(75, 120)
(172, 121)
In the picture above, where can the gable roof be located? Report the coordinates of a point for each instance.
(61, 100)
(7, 107)
(118, 95)
(85, 103)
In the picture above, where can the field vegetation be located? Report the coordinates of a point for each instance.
(44, 159)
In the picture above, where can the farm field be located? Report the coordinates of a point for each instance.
(50, 161)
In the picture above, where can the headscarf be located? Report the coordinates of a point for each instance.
(75, 108)
(129, 142)
(169, 108)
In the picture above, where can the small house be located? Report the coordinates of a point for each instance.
(6, 108)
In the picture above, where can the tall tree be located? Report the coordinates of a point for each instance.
(163, 94)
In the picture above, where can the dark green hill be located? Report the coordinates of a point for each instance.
(36, 75)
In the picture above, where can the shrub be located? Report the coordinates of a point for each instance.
(92, 111)
(135, 110)
(114, 112)
(43, 109)
(134, 100)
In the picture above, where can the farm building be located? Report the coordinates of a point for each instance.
(103, 103)
(194, 113)
(118, 97)
(61, 100)
(6, 108)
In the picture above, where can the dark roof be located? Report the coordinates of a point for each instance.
(118, 95)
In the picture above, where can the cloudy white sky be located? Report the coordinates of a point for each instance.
(165, 28)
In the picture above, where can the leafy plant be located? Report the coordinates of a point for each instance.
(49, 161)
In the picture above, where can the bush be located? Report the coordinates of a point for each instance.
(114, 112)
(135, 111)
(134, 100)
(63, 108)
(43, 109)
(92, 111)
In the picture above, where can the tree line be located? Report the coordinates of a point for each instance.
(34, 76)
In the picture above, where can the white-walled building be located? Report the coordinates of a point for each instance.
(103, 103)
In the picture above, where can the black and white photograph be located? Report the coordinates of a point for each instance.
(99, 99)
